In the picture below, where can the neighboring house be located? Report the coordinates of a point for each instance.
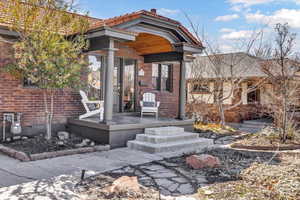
(144, 52)
(242, 101)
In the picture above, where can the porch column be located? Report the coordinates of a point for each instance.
(182, 90)
(109, 75)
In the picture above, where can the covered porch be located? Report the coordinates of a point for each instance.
(131, 55)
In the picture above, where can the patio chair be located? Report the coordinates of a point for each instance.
(149, 104)
(91, 107)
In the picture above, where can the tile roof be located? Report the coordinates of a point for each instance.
(96, 23)
(135, 15)
(4, 16)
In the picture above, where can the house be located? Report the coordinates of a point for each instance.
(238, 78)
(130, 54)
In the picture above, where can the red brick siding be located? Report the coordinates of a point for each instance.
(15, 98)
(169, 100)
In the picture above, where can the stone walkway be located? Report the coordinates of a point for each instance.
(43, 177)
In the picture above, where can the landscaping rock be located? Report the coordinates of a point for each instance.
(60, 143)
(63, 135)
(17, 137)
(24, 138)
(22, 156)
(124, 184)
(202, 161)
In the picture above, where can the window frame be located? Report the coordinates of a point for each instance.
(159, 81)
(198, 88)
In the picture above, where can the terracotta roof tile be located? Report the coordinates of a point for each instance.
(135, 15)
(97, 23)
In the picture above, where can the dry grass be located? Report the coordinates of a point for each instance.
(215, 128)
(260, 181)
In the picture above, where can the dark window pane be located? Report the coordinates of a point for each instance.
(28, 83)
(129, 72)
(200, 87)
(155, 76)
(165, 77)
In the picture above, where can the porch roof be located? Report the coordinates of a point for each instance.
(115, 21)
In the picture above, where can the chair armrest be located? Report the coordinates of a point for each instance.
(157, 104)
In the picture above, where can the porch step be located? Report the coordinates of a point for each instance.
(250, 130)
(157, 139)
(168, 139)
(170, 146)
(163, 131)
(256, 123)
(253, 125)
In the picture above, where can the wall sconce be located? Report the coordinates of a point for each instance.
(141, 72)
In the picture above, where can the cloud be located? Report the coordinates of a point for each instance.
(239, 5)
(248, 3)
(226, 18)
(168, 12)
(226, 30)
(290, 16)
(242, 34)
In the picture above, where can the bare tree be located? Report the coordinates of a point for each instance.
(230, 69)
(281, 67)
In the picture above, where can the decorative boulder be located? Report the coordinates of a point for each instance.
(124, 184)
(63, 135)
(202, 161)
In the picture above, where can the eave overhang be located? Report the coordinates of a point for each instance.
(113, 33)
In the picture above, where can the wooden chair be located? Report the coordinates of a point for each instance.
(90, 107)
(149, 104)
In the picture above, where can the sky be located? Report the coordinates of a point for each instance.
(222, 21)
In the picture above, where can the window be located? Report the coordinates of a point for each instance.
(29, 83)
(254, 95)
(200, 88)
(162, 77)
(95, 84)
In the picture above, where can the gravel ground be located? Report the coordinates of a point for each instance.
(39, 144)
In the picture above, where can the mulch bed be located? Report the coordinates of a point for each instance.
(259, 142)
(233, 163)
(37, 148)
(260, 181)
(266, 148)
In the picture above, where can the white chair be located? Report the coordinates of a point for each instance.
(87, 106)
(149, 104)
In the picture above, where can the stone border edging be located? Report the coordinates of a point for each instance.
(46, 155)
(265, 148)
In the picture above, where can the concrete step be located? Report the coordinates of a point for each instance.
(249, 130)
(252, 126)
(157, 139)
(256, 122)
(169, 130)
(169, 147)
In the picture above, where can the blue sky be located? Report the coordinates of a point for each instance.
(223, 21)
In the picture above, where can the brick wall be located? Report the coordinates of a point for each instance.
(169, 100)
(29, 101)
(16, 98)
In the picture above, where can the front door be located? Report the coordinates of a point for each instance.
(117, 85)
(124, 85)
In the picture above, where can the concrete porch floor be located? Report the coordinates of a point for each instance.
(122, 129)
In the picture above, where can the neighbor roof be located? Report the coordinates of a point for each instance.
(243, 65)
